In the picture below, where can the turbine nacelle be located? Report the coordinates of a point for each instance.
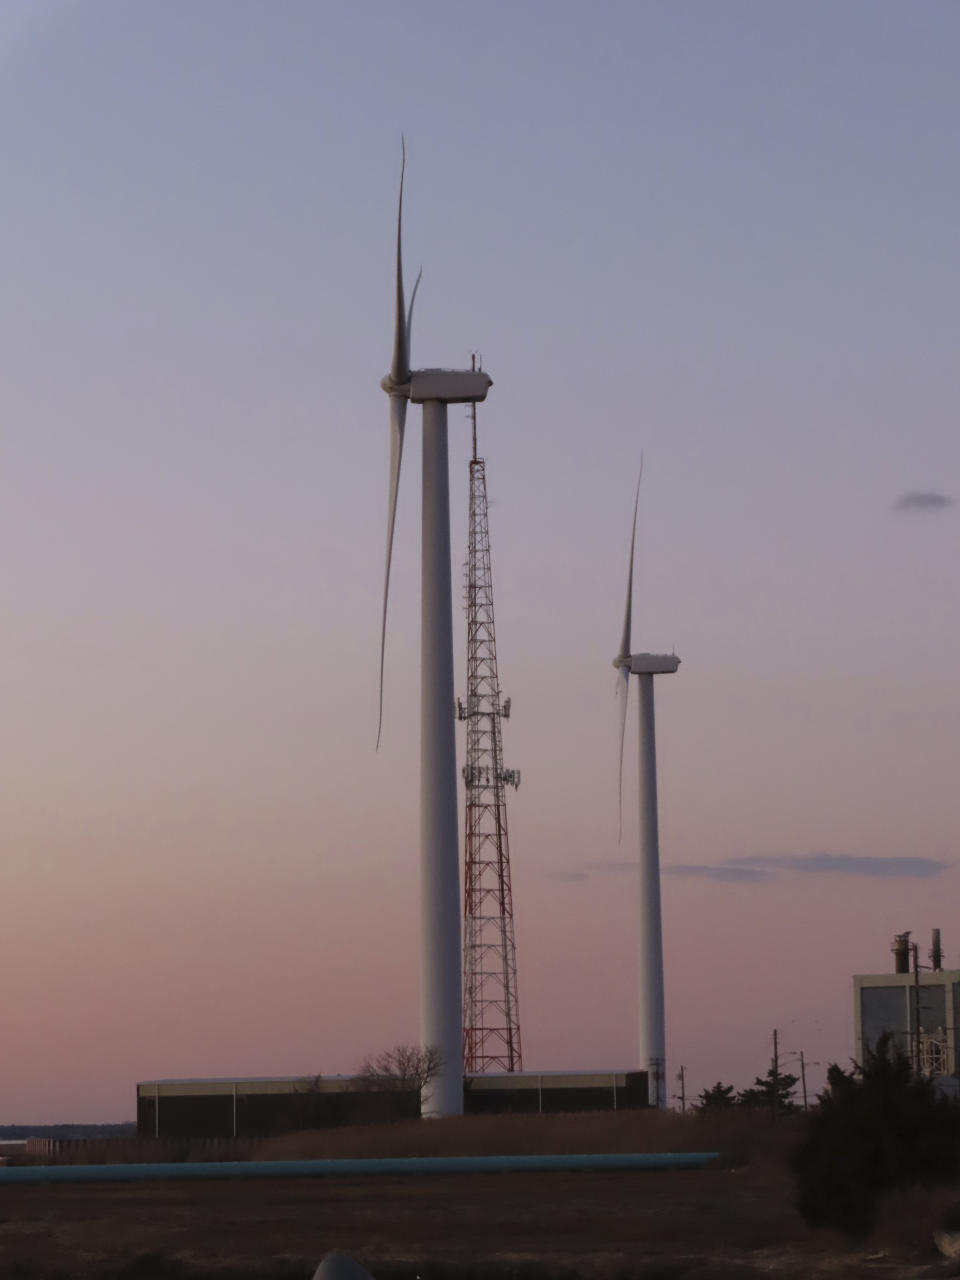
(648, 664)
(451, 386)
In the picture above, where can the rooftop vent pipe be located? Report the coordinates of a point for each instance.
(936, 951)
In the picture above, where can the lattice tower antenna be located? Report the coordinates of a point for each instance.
(491, 1021)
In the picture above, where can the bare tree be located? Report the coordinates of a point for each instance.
(404, 1068)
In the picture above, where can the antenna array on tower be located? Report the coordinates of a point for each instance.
(491, 1023)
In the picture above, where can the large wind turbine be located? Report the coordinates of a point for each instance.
(441, 1002)
(653, 1049)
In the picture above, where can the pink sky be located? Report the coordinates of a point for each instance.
(727, 240)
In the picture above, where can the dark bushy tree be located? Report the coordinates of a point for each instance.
(773, 1091)
(876, 1126)
(717, 1098)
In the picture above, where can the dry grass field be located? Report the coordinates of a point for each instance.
(735, 1220)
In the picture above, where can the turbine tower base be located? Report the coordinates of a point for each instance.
(440, 989)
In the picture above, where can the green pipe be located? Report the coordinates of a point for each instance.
(208, 1169)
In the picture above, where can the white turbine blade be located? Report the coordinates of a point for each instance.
(625, 638)
(398, 417)
(623, 657)
(413, 298)
(400, 368)
(399, 377)
(623, 695)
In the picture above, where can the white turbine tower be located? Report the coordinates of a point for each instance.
(441, 1002)
(653, 1049)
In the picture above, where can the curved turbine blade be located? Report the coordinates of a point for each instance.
(400, 368)
(398, 417)
(399, 377)
(623, 657)
(625, 637)
(623, 696)
(413, 298)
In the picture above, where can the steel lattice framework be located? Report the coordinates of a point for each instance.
(491, 1023)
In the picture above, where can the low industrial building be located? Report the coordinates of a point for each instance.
(254, 1108)
(917, 1006)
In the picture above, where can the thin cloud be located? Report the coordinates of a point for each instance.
(761, 868)
(923, 500)
(730, 872)
(846, 864)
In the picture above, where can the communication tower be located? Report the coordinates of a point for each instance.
(491, 1023)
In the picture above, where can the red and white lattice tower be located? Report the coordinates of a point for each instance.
(491, 1022)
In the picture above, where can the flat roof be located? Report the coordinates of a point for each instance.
(926, 977)
(213, 1085)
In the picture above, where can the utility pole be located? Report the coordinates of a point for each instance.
(803, 1079)
(776, 1073)
(682, 1077)
(916, 1008)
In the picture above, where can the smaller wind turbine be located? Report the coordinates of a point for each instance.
(653, 1049)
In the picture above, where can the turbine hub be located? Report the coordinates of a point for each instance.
(395, 388)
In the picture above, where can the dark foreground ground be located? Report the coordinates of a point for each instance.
(734, 1220)
(652, 1226)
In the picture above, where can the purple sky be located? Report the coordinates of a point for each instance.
(724, 235)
